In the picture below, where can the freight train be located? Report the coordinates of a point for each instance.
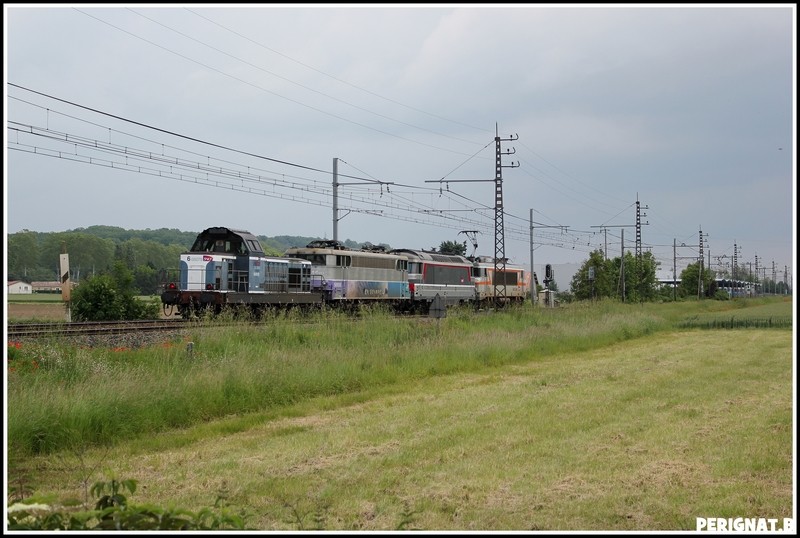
(227, 267)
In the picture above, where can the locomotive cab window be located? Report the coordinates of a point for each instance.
(316, 259)
(203, 244)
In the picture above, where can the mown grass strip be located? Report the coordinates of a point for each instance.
(644, 434)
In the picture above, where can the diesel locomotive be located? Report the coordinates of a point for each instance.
(229, 267)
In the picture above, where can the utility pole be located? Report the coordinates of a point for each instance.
(700, 276)
(756, 283)
(533, 271)
(622, 262)
(605, 241)
(674, 269)
(639, 262)
(622, 255)
(499, 227)
(774, 277)
(336, 186)
(675, 258)
(639, 216)
(638, 225)
(786, 285)
(335, 199)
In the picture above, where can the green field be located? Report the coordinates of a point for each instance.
(34, 298)
(22, 298)
(586, 417)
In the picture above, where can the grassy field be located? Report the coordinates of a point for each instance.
(40, 307)
(587, 417)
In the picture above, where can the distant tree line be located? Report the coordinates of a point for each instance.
(34, 256)
(628, 278)
(634, 280)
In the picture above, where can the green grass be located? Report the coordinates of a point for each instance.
(34, 298)
(587, 417)
(744, 313)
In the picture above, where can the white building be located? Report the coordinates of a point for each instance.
(19, 287)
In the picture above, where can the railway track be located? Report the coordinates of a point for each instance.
(18, 331)
(41, 330)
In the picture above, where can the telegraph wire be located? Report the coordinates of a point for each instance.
(310, 89)
(228, 174)
(176, 164)
(238, 79)
(165, 131)
(297, 83)
(256, 86)
(570, 177)
(336, 78)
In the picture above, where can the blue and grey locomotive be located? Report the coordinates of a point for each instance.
(228, 267)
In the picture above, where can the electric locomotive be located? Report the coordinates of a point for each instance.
(349, 276)
(515, 280)
(432, 273)
(229, 267)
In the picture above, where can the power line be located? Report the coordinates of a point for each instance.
(219, 172)
(363, 109)
(256, 86)
(339, 79)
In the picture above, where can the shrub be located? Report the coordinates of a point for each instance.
(113, 512)
(110, 297)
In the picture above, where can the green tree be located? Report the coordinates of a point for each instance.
(690, 281)
(87, 253)
(453, 248)
(110, 297)
(605, 277)
(641, 283)
(638, 277)
(23, 254)
(146, 279)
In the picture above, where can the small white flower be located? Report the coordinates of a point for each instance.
(22, 507)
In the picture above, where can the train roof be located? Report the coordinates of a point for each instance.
(432, 256)
(330, 246)
(222, 232)
(489, 261)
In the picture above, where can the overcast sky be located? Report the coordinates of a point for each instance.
(190, 116)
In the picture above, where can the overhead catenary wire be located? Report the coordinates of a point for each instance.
(285, 78)
(276, 94)
(338, 79)
(570, 242)
(217, 176)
